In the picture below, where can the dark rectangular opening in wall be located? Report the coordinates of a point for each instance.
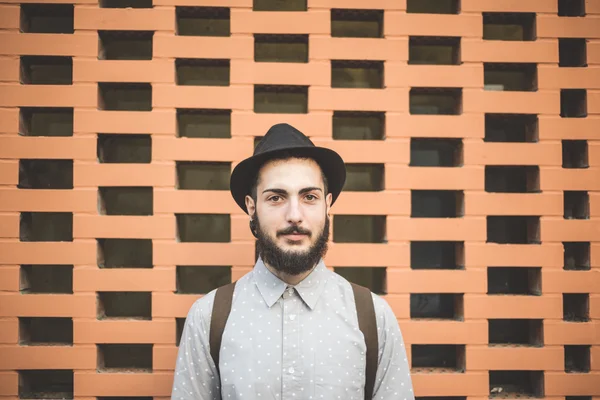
(576, 307)
(202, 72)
(510, 77)
(516, 332)
(125, 3)
(46, 227)
(45, 174)
(123, 200)
(364, 177)
(511, 128)
(437, 306)
(374, 278)
(577, 358)
(41, 121)
(571, 8)
(281, 99)
(124, 96)
(203, 227)
(125, 45)
(512, 179)
(357, 23)
(124, 149)
(433, 101)
(199, 175)
(359, 229)
(434, 50)
(578, 397)
(572, 52)
(279, 5)
(124, 305)
(516, 384)
(358, 125)
(514, 280)
(577, 256)
(45, 331)
(47, 18)
(124, 358)
(433, 6)
(575, 154)
(125, 253)
(509, 26)
(573, 103)
(46, 279)
(202, 21)
(436, 357)
(437, 255)
(513, 229)
(46, 384)
(425, 152)
(179, 326)
(357, 74)
(203, 123)
(437, 203)
(281, 48)
(576, 205)
(46, 70)
(202, 279)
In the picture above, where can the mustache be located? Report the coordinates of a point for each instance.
(294, 230)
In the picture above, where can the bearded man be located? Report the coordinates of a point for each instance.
(291, 328)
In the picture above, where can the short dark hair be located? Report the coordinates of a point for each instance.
(286, 155)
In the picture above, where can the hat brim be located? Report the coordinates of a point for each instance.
(244, 173)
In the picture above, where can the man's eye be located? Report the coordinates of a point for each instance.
(311, 197)
(274, 198)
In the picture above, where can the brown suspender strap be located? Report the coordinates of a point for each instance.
(220, 313)
(367, 322)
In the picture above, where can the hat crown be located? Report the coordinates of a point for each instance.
(280, 137)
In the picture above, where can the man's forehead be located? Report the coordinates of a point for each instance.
(303, 170)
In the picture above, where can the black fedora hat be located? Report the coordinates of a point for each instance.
(285, 138)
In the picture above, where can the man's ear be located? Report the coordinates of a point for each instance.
(328, 200)
(250, 206)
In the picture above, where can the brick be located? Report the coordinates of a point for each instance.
(515, 358)
(550, 26)
(47, 253)
(169, 46)
(164, 358)
(158, 122)
(553, 229)
(402, 24)
(9, 69)
(327, 48)
(561, 333)
(444, 332)
(155, 71)
(9, 383)
(454, 229)
(204, 3)
(593, 52)
(171, 305)
(516, 306)
(239, 229)
(44, 305)
(123, 332)
(48, 96)
(166, 253)
(559, 281)
(594, 306)
(480, 153)
(481, 203)
(568, 78)
(153, 19)
(246, 72)
(539, 51)
(593, 100)
(9, 16)
(114, 175)
(358, 4)
(569, 179)
(513, 255)
(9, 278)
(444, 384)
(399, 75)
(195, 201)
(410, 281)
(562, 384)
(119, 384)
(368, 255)
(310, 22)
(9, 121)
(455, 126)
(393, 99)
(9, 226)
(48, 357)
(80, 200)
(203, 97)
(511, 102)
(125, 227)
(389, 151)
(532, 6)
(9, 331)
(42, 44)
(90, 279)
(82, 148)
(552, 127)
(9, 172)
(372, 203)
(434, 178)
(314, 124)
(201, 149)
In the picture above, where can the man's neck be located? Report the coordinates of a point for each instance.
(287, 278)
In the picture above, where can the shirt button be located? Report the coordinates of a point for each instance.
(291, 370)
(291, 291)
(292, 316)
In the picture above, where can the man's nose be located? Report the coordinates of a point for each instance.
(294, 212)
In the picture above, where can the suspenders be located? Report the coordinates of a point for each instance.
(366, 322)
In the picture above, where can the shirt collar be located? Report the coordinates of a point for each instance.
(271, 287)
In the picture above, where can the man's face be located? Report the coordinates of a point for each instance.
(291, 214)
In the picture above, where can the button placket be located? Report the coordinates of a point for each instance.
(291, 367)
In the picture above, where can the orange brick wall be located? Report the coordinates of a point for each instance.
(394, 202)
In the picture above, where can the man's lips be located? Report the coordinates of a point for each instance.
(295, 236)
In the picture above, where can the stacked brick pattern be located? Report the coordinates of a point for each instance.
(519, 300)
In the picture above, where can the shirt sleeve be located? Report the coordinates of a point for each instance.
(393, 380)
(195, 375)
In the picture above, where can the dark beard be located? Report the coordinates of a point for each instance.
(291, 263)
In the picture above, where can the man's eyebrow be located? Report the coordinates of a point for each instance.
(302, 191)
